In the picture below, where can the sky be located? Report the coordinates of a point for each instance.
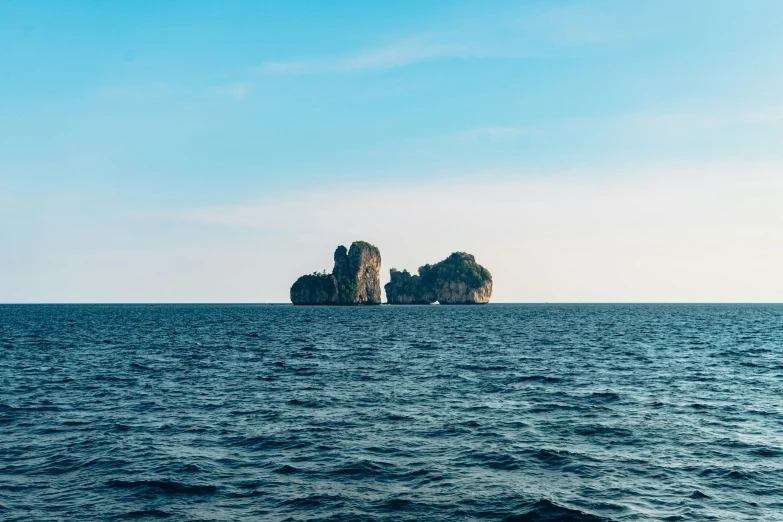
(583, 151)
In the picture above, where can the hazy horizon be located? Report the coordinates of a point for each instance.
(200, 152)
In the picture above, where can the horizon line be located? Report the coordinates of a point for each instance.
(281, 303)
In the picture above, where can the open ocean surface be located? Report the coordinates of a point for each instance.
(498, 412)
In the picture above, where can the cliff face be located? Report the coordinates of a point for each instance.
(459, 292)
(364, 278)
(458, 279)
(355, 279)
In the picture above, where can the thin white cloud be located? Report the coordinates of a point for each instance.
(768, 114)
(405, 52)
(237, 90)
(137, 93)
(673, 124)
(502, 35)
(665, 126)
(492, 132)
(689, 123)
(580, 24)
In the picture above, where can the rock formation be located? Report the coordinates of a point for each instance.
(355, 279)
(458, 279)
(405, 288)
(316, 288)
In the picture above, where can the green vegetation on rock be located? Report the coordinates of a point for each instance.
(458, 279)
(461, 266)
(314, 288)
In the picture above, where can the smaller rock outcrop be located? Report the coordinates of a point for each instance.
(355, 279)
(315, 288)
(458, 279)
(405, 288)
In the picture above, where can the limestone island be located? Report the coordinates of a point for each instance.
(355, 279)
(458, 279)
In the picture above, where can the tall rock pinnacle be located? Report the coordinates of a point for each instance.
(355, 279)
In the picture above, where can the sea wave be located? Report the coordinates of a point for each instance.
(505, 412)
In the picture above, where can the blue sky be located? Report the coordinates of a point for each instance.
(212, 151)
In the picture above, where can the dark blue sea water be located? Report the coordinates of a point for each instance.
(498, 412)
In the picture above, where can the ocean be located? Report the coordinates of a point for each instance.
(391, 413)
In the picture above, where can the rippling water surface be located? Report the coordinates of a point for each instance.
(499, 412)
